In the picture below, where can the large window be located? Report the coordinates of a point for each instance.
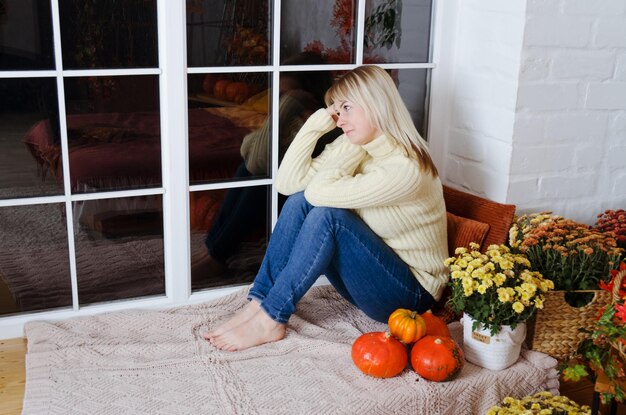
(128, 173)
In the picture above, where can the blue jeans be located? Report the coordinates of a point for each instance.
(310, 241)
(243, 210)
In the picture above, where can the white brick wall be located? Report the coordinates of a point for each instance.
(489, 42)
(577, 162)
(539, 105)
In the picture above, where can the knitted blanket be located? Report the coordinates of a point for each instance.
(156, 362)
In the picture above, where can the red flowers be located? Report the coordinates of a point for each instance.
(609, 286)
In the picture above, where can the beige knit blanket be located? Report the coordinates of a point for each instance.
(156, 362)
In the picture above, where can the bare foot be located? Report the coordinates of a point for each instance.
(240, 316)
(257, 330)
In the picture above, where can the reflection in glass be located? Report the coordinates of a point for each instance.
(301, 94)
(228, 33)
(224, 110)
(397, 31)
(26, 35)
(114, 135)
(413, 87)
(30, 152)
(119, 248)
(229, 234)
(34, 259)
(323, 26)
(108, 34)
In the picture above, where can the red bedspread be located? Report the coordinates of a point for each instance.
(123, 150)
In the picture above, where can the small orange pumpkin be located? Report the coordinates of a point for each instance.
(437, 358)
(378, 354)
(434, 325)
(407, 325)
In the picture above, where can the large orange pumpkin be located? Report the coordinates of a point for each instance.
(237, 92)
(434, 325)
(219, 89)
(437, 358)
(407, 325)
(380, 355)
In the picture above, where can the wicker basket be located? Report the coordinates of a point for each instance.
(555, 328)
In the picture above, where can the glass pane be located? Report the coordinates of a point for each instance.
(227, 118)
(108, 34)
(26, 35)
(34, 259)
(397, 31)
(413, 87)
(228, 33)
(229, 234)
(114, 134)
(30, 151)
(301, 94)
(326, 27)
(119, 248)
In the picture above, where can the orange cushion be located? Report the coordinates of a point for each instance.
(462, 231)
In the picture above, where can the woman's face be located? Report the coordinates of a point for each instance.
(355, 123)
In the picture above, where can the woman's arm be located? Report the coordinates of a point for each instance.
(392, 182)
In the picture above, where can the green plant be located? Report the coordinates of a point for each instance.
(604, 351)
(573, 255)
(495, 288)
(383, 26)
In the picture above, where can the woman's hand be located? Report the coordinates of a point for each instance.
(333, 111)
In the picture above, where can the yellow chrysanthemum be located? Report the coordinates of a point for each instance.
(518, 307)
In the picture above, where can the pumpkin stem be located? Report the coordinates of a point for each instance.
(387, 334)
(438, 341)
(413, 314)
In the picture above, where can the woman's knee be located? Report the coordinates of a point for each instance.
(333, 215)
(296, 201)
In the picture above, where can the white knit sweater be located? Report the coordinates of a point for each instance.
(384, 186)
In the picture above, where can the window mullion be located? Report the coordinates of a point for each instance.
(174, 141)
(69, 211)
(360, 30)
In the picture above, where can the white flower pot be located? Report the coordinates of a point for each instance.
(492, 352)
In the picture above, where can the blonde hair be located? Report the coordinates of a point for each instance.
(372, 88)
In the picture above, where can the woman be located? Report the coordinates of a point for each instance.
(368, 213)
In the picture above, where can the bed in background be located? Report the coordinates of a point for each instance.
(115, 151)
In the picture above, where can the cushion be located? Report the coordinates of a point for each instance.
(462, 231)
(499, 216)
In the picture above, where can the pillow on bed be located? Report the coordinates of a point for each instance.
(462, 231)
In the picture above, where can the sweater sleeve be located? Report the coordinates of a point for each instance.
(298, 167)
(389, 183)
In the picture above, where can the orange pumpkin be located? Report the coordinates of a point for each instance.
(407, 325)
(437, 358)
(434, 325)
(219, 89)
(208, 83)
(237, 90)
(380, 355)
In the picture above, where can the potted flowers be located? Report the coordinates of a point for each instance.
(497, 292)
(613, 221)
(602, 356)
(543, 403)
(577, 258)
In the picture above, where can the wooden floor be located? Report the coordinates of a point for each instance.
(12, 381)
(12, 375)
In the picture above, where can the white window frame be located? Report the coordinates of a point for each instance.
(175, 190)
